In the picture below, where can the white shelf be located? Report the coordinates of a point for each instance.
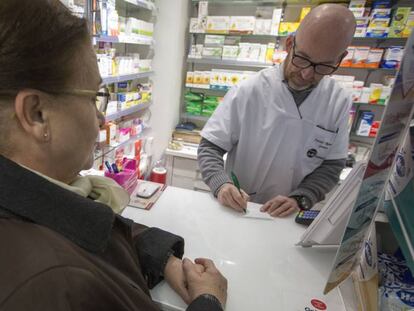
(239, 35)
(102, 151)
(227, 62)
(127, 112)
(194, 118)
(128, 77)
(390, 70)
(280, 2)
(142, 4)
(208, 88)
(139, 40)
(284, 36)
(367, 104)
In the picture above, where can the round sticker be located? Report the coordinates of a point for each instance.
(311, 153)
(318, 304)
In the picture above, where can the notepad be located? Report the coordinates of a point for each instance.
(253, 211)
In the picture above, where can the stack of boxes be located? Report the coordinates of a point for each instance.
(375, 94)
(217, 79)
(201, 105)
(379, 21)
(110, 64)
(367, 57)
(244, 24)
(107, 22)
(125, 95)
(376, 22)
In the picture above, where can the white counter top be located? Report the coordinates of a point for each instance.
(265, 270)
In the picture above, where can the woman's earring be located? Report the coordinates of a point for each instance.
(45, 135)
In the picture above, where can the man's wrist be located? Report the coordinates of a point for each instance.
(217, 181)
(304, 203)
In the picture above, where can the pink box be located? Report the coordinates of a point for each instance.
(128, 177)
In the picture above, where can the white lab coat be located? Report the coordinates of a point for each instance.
(271, 146)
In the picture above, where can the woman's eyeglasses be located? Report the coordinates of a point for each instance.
(101, 97)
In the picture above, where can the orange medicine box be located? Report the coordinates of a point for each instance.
(374, 58)
(347, 61)
(360, 56)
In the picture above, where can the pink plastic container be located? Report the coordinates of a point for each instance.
(128, 177)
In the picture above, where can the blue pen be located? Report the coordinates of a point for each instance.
(108, 166)
(116, 171)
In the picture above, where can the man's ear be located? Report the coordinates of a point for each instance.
(289, 43)
(32, 115)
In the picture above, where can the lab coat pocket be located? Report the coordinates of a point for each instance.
(317, 147)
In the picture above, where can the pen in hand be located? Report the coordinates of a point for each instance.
(237, 185)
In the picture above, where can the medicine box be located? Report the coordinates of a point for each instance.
(214, 40)
(358, 12)
(379, 22)
(377, 32)
(276, 18)
(392, 57)
(263, 26)
(381, 13)
(347, 61)
(218, 24)
(357, 4)
(408, 26)
(242, 24)
(360, 32)
(230, 52)
(364, 123)
(360, 56)
(374, 58)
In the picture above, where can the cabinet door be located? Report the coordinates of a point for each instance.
(183, 182)
(185, 167)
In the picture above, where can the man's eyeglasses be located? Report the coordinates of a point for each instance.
(303, 63)
(101, 97)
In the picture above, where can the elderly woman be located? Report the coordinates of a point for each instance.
(61, 247)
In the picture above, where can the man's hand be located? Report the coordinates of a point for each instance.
(280, 206)
(174, 275)
(210, 281)
(228, 195)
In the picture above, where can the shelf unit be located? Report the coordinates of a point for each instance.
(191, 117)
(144, 10)
(248, 7)
(127, 112)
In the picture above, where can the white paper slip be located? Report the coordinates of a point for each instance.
(253, 211)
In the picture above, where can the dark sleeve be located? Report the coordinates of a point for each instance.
(154, 246)
(211, 164)
(64, 289)
(205, 303)
(320, 181)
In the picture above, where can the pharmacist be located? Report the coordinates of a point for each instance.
(284, 129)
